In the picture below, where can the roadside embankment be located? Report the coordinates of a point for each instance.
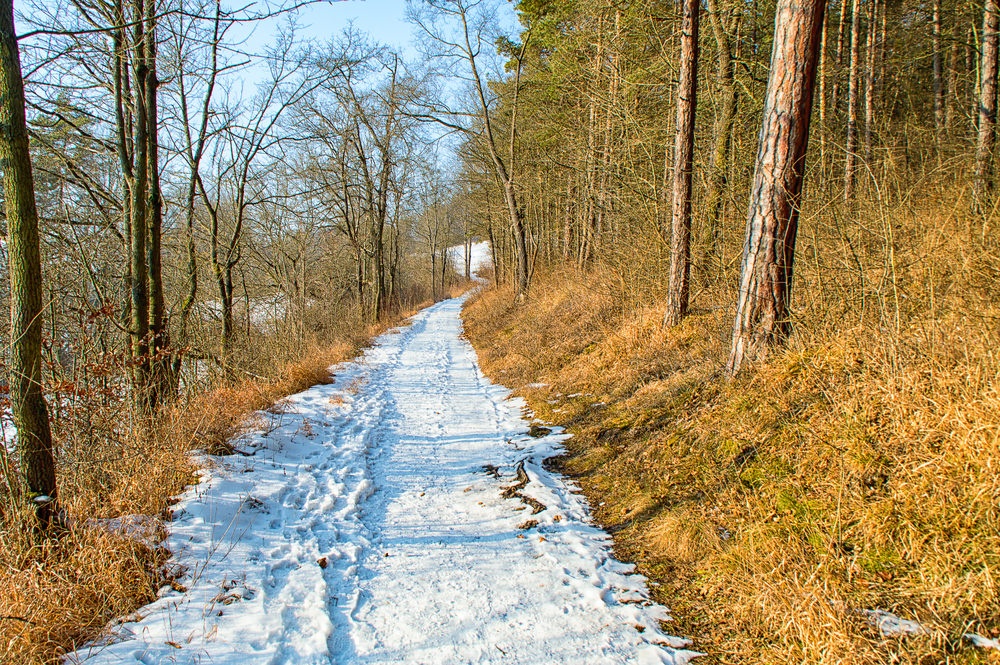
(853, 472)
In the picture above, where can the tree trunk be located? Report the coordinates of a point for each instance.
(870, 79)
(444, 266)
(983, 182)
(467, 262)
(159, 379)
(433, 274)
(835, 93)
(228, 326)
(567, 241)
(852, 103)
(520, 239)
(769, 250)
(822, 103)
(715, 197)
(139, 329)
(194, 155)
(31, 417)
(495, 254)
(504, 172)
(937, 85)
(951, 95)
(680, 225)
(123, 136)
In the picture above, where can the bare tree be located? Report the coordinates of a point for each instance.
(467, 45)
(249, 138)
(194, 151)
(769, 250)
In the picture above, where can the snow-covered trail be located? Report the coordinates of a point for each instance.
(375, 529)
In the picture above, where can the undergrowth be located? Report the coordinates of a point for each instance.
(855, 470)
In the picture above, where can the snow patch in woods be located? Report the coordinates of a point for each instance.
(890, 625)
(399, 515)
(479, 257)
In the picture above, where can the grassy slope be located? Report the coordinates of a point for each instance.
(850, 472)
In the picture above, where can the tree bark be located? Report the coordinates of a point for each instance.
(835, 93)
(715, 197)
(983, 182)
(769, 250)
(680, 226)
(139, 329)
(951, 94)
(822, 102)
(852, 103)
(870, 48)
(31, 417)
(936, 66)
(159, 368)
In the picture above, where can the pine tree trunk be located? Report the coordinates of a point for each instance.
(870, 47)
(983, 182)
(835, 93)
(680, 226)
(952, 90)
(936, 66)
(822, 103)
(31, 418)
(852, 103)
(769, 250)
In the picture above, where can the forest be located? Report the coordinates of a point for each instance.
(745, 252)
(784, 457)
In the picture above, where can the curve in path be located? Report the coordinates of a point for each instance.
(376, 527)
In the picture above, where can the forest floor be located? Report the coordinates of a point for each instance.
(400, 514)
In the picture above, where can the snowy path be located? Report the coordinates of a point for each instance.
(374, 529)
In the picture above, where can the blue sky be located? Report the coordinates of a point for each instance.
(384, 20)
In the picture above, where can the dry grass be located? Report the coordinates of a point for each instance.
(858, 469)
(59, 593)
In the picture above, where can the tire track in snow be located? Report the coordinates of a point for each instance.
(362, 529)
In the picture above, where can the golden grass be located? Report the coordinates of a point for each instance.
(856, 469)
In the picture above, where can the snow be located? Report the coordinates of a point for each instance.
(8, 432)
(479, 254)
(890, 625)
(982, 642)
(366, 522)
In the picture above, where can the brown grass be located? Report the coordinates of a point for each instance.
(56, 594)
(857, 469)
